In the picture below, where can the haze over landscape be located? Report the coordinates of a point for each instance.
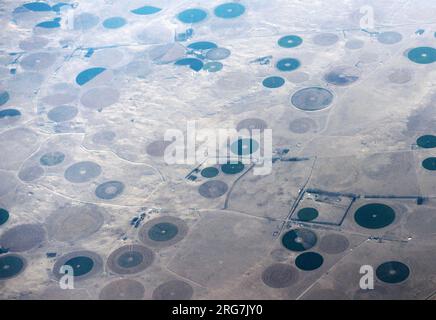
(88, 90)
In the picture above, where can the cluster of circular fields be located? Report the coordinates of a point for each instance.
(206, 56)
(216, 188)
(90, 238)
(282, 275)
(131, 259)
(228, 10)
(428, 142)
(284, 64)
(83, 21)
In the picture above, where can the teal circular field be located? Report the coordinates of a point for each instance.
(374, 216)
(309, 261)
(10, 266)
(9, 113)
(229, 10)
(232, 168)
(81, 265)
(49, 24)
(4, 97)
(194, 64)
(146, 10)
(114, 22)
(299, 239)
(307, 214)
(4, 216)
(213, 66)
(244, 147)
(422, 55)
(202, 45)
(192, 16)
(87, 75)
(429, 163)
(288, 64)
(290, 41)
(37, 6)
(392, 272)
(426, 141)
(163, 231)
(209, 172)
(273, 82)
